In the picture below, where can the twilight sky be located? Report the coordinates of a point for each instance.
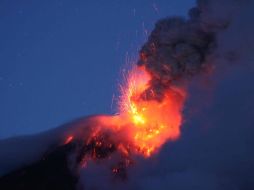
(62, 59)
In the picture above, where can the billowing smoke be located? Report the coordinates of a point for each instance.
(179, 48)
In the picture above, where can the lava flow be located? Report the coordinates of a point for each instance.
(144, 123)
(152, 121)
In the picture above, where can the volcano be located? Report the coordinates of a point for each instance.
(50, 172)
(57, 167)
(143, 124)
(149, 114)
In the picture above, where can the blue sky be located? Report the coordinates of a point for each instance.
(60, 60)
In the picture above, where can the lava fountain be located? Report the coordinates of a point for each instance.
(143, 124)
(152, 122)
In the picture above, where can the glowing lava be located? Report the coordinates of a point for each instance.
(142, 125)
(152, 121)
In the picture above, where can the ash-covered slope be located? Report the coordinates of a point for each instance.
(50, 172)
(38, 161)
(53, 160)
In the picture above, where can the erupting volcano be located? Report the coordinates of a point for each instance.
(144, 123)
(147, 123)
(150, 106)
(151, 121)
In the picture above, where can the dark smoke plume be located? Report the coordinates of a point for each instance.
(179, 48)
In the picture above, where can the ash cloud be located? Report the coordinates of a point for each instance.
(179, 48)
(215, 150)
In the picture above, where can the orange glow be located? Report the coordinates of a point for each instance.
(151, 122)
(68, 140)
(142, 124)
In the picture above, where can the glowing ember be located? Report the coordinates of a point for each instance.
(144, 123)
(68, 140)
(152, 122)
(147, 123)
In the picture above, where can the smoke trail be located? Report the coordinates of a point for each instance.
(179, 48)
